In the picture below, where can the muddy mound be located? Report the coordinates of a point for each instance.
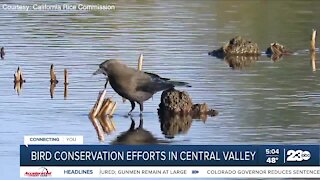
(175, 101)
(179, 102)
(237, 46)
(276, 50)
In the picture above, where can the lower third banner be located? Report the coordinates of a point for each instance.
(169, 161)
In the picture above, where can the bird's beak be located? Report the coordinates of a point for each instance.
(99, 71)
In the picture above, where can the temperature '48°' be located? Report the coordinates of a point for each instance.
(272, 160)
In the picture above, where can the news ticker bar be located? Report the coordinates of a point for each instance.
(169, 155)
(170, 172)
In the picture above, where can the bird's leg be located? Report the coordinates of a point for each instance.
(141, 107)
(141, 121)
(133, 105)
(105, 85)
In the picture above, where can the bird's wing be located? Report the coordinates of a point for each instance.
(156, 76)
(152, 83)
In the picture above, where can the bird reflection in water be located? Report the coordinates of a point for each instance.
(170, 124)
(136, 136)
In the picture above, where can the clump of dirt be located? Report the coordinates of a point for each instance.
(176, 112)
(237, 46)
(175, 101)
(276, 50)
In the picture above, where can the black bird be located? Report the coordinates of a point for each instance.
(136, 86)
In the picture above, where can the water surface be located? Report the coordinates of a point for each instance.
(266, 102)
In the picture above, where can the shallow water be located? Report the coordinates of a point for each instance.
(266, 102)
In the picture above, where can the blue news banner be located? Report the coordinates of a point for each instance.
(169, 155)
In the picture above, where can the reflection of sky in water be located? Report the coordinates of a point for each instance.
(265, 102)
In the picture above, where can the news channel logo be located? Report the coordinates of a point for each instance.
(298, 155)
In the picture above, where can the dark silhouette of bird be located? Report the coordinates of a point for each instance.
(136, 135)
(136, 86)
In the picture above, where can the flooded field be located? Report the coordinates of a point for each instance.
(263, 103)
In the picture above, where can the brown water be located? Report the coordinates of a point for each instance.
(263, 103)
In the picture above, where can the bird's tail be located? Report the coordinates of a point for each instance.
(180, 83)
